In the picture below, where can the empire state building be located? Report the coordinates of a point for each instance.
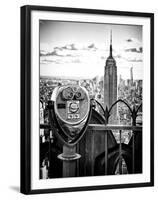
(110, 84)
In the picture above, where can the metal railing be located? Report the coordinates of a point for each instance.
(101, 127)
(107, 127)
(119, 128)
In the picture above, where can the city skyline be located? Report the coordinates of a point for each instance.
(68, 49)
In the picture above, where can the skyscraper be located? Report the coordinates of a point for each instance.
(110, 83)
(131, 72)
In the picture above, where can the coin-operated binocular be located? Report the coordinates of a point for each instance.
(71, 112)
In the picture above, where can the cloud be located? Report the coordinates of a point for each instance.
(66, 50)
(57, 53)
(58, 48)
(135, 60)
(129, 40)
(141, 49)
(133, 45)
(43, 53)
(118, 56)
(89, 54)
(54, 53)
(76, 61)
(132, 40)
(134, 49)
(70, 47)
(69, 50)
(92, 47)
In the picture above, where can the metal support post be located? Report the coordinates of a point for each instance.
(69, 158)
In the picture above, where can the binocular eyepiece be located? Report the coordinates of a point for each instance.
(71, 108)
(71, 104)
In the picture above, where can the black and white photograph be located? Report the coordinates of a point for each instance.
(91, 74)
(90, 106)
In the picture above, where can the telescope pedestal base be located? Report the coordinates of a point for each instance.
(69, 158)
(75, 157)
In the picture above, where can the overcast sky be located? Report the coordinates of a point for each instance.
(81, 49)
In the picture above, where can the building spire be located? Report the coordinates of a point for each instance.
(111, 43)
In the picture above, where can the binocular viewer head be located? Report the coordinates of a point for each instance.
(71, 103)
(71, 108)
